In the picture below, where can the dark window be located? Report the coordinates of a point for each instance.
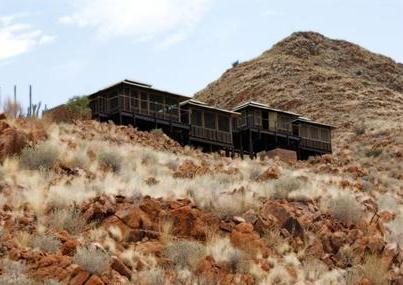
(223, 123)
(209, 120)
(197, 118)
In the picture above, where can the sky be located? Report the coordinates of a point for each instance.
(65, 48)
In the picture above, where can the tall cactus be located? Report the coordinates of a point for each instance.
(34, 111)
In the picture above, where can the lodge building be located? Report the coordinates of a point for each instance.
(247, 129)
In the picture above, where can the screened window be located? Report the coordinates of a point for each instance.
(144, 103)
(223, 123)
(209, 120)
(257, 118)
(314, 133)
(324, 135)
(197, 118)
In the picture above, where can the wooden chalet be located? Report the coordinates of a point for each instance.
(315, 138)
(138, 104)
(210, 127)
(250, 128)
(262, 128)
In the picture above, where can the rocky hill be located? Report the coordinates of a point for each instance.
(335, 82)
(332, 81)
(89, 203)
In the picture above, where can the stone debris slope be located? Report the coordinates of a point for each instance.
(90, 203)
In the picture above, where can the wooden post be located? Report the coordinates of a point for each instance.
(251, 153)
(241, 144)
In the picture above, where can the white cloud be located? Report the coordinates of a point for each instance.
(16, 39)
(144, 19)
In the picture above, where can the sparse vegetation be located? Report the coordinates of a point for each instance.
(346, 209)
(40, 157)
(46, 243)
(70, 220)
(185, 254)
(111, 159)
(284, 186)
(92, 259)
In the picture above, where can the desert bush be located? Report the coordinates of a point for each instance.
(284, 186)
(374, 152)
(70, 220)
(46, 243)
(396, 230)
(254, 172)
(111, 159)
(14, 274)
(79, 160)
(16, 280)
(92, 259)
(185, 254)
(148, 157)
(157, 131)
(41, 157)
(360, 130)
(346, 209)
(237, 262)
(11, 108)
(375, 270)
(13, 268)
(154, 276)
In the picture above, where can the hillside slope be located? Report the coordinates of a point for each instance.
(93, 203)
(334, 82)
(328, 80)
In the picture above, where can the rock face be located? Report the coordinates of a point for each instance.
(315, 76)
(12, 140)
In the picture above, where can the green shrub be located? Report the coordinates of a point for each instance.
(41, 157)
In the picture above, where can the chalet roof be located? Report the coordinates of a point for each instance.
(201, 104)
(308, 121)
(262, 106)
(138, 84)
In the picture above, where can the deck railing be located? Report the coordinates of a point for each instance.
(210, 134)
(316, 144)
(251, 121)
(124, 103)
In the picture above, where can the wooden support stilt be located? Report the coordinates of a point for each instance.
(226, 152)
(241, 144)
(251, 152)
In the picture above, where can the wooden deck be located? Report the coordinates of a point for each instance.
(247, 131)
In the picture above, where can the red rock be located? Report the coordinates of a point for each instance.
(94, 280)
(270, 173)
(12, 141)
(122, 269)
(244, 237)
(275, 209)
(69, 247)
(80, 278)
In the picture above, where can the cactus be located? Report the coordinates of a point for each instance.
(34, 111)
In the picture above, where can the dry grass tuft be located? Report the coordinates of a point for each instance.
(46, 243)
(185, 254)
(346, 209)
(41, 157)
(92, 259)
(70, 220)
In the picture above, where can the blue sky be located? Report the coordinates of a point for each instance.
(74, 47)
